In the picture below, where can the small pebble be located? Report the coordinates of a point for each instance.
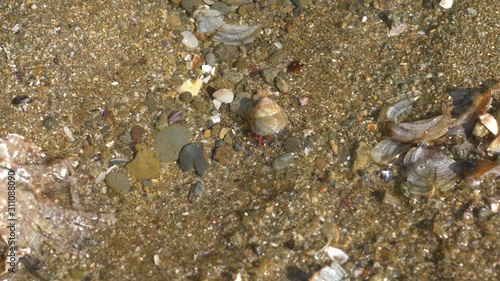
(227, 53)
(282, 85)
(223, 154)
(136, 133)
(169, 142)
(126, 138)
(50, 123)
(193, 155)
(282, 162)
(189, 40)
(292, 144)
(196, 190)
(186, 97)
(144, 165)
(162, 121)
(118, 182)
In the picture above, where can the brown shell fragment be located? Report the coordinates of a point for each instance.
(387, 150)
(429, 170)
(423, 130)
(467, 120)
(481, 168)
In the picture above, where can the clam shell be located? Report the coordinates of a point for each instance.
(489, 122)
(423, 130)
(387, 150)
(267, 117)
(429, 170)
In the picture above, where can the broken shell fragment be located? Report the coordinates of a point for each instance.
(387, 150)
(475, 170)
(423, 130)
(267, 117)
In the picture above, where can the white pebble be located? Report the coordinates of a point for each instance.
(446, 4)
(156, 259)
(189, 40)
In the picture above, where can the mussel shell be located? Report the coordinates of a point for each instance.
(387, 150)
(429, 170)
(423, 130)
(267, 117)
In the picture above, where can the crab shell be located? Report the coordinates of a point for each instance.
(267, 117)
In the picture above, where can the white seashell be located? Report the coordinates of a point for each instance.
(334, 272)
(267, 117)
(224, 95)
(446, 4)
(336, 254)
(422, 130)
(489, 122)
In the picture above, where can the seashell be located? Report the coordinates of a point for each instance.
(385, 151)
(267, 117)
(428, 170)
(489, 122)
(480, 130)
(213, 21)
(237, 34)
(494, 145)
(209, 20)
(333, 272)
(475, 170)
(466, 121)
(400, 104)
(423, 130)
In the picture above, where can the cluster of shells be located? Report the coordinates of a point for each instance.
(436, 153)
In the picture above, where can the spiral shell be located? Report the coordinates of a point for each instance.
(267, 117)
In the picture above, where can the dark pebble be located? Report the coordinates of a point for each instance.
(223, 154)
(193, 155)
(136, 133)
(186, 97)
(50, 123)
(292, 144)
(196, 190)
(282, 162)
